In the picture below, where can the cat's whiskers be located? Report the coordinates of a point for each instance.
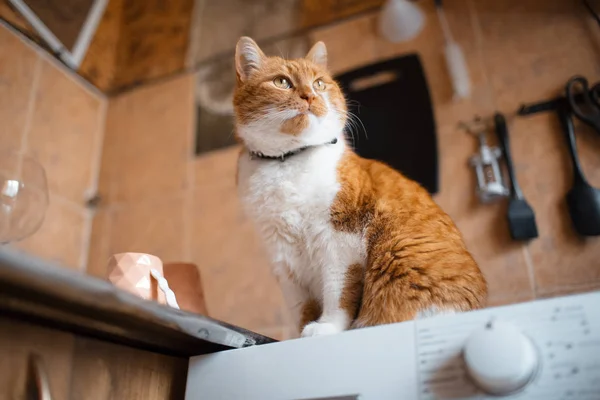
(232, 133)
(353, 125)
(272, 118)
(284, 115)
(357, 120)
(352, 116)
(281, 115)
(350, 126)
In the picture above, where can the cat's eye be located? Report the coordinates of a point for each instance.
(319, 85)
(282, 82)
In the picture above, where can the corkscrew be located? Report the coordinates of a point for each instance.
(490, 182)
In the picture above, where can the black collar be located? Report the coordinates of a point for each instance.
(282, 157)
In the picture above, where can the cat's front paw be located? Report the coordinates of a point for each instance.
(320, 328)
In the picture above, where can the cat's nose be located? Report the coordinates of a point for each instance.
(308, 97)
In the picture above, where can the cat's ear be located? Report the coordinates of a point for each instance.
(318, 54)
(248, 58)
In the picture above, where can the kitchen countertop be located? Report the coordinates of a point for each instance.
(45, 293)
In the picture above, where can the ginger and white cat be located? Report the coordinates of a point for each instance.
(353, 242)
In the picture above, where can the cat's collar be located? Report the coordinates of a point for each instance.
(284, 156)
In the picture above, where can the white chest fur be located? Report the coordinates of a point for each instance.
(290, 204)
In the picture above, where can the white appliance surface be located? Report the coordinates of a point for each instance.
(412, 360)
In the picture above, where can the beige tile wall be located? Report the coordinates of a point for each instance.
(50, 114)
(145, 176)
(517, 51)
(158, 198)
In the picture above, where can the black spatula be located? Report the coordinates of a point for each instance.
(521, 218)
(583, 200)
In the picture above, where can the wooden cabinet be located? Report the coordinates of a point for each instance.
(18, 343)
(106, 371)
(113, 346)
(81, 368)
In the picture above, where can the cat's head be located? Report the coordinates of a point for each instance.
(281, 105)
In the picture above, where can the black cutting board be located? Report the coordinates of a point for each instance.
(392, 100)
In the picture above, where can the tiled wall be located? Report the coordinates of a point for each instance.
(158, 198)
(165, 201)
(517, 51)
(59, 120)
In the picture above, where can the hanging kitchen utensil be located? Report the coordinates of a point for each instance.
(583, 200)
(585, 103)
(520, 215)
(548, 105)
(455, 58)
(490, 184)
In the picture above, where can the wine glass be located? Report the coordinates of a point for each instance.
(23, 196)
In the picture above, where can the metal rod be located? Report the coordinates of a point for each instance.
(549, 105)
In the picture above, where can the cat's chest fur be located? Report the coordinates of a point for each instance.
(290, 203)
(291, 198)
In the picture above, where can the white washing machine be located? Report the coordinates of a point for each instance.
(542, 350)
